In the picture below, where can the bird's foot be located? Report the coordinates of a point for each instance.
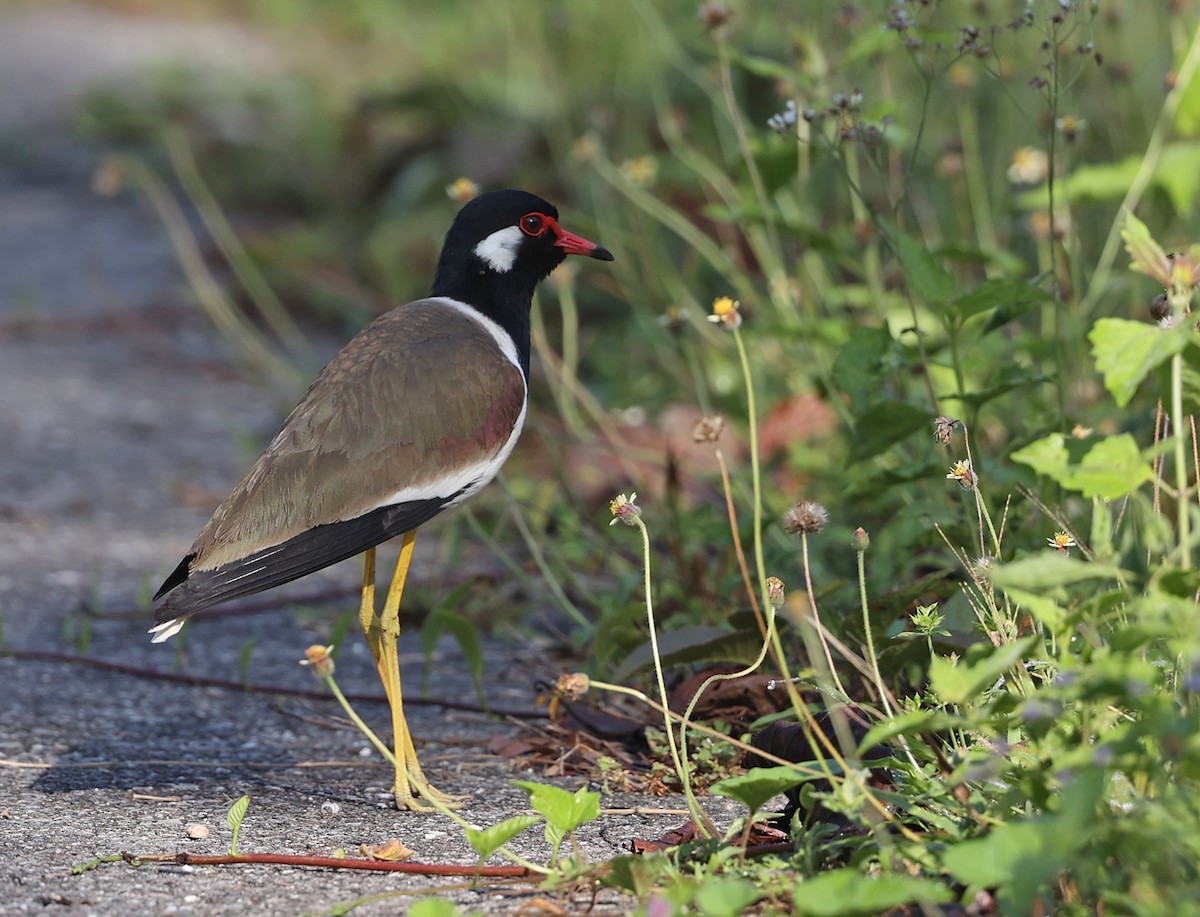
(412, 788)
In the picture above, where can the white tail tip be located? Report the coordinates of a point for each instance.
(168, 629)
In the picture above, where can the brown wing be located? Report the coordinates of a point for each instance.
(422, 392)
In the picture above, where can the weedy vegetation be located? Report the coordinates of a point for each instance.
(932, 265)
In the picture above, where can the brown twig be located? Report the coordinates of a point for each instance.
(123, 668)
(329, 862)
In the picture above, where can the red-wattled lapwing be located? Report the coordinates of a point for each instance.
(415, 414)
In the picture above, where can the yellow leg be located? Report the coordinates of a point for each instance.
(383, 633)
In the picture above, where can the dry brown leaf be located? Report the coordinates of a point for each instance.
(391, 850)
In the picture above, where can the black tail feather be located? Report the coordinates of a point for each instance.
(191, 590)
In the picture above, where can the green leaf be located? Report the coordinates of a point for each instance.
(924, 273)
(233, 818)
(564, 810)
(961, 683)
(1010, 296)
(1049, 569)
(1126, 352)
(759, 784)
(845, 892)
(1020, 857)
(488, 840)
(884, 425)
(434, 907)
(912, 723)
(1044, 609)
(726, 897)
(1109, 467)
(862, 363)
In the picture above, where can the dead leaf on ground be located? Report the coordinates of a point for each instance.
(391, 851)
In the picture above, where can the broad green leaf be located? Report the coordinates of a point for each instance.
(1048, 569)
(911, 723)
(1109, 467)
(862, 362)
(1126, 352)
(884, 425)
(726, 897)
(564, 810)
(1018, 858)
(1010, 296)
(846, 892)
(488, 840)
(925, 274)
(961, 683)
(759, 784)
(1044, 610)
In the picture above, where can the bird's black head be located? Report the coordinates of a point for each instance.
(500, 247)
(508, 238)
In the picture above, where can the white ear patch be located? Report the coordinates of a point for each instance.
(499, 250)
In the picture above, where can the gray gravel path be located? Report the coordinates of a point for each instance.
(119, 419)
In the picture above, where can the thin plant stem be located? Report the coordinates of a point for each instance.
(866, 613)
(812, 604)
(737, 544)
(703, 822)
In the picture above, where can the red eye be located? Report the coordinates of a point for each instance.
(533, 224)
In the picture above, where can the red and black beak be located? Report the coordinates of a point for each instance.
(577, 245)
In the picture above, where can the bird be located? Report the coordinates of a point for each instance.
(413, 416)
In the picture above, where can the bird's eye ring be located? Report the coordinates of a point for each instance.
(533, 224)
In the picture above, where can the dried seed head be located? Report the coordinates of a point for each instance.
(321, 660)
(943, 429)
(673, 320)
(775, 592)
(572, 686)
(708, 429)
(806, 517)
(715, 16)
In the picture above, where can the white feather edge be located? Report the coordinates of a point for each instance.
(470, 479)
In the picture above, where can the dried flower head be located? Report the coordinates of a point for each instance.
(725, 312)
(1079, 431)
(462, 190)
(943, 429)
(321, 660)
(625, 509)
(572, 685)
(775, 591)
(806, 517)
(1062, 542)
(715, 16)
(962, 472)
(708, 429)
